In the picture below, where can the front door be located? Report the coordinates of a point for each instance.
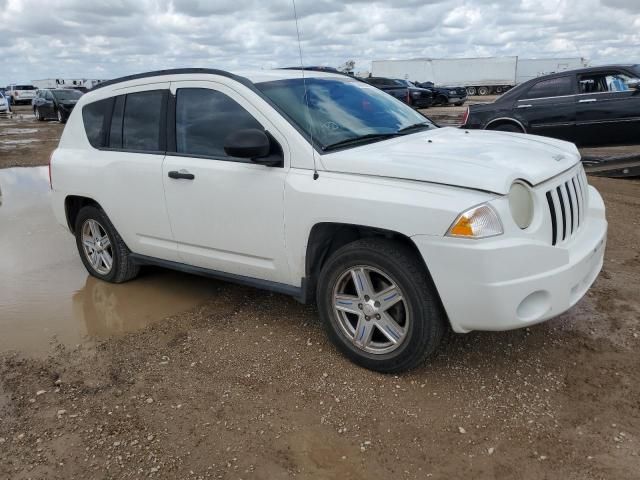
(608, 111)
(226, 213)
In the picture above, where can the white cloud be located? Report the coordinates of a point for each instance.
(100, 38)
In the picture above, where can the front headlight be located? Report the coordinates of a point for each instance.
(477, 222)
(521, 204)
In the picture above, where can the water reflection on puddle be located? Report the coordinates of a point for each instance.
(45, 292)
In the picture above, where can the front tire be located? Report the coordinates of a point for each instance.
(379, 306)
(102, 250)
(60, 116)
(38, 114)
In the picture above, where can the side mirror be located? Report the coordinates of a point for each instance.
(634, 84)
(253, 144)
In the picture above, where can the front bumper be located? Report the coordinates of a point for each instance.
(505, 283)
(453, 99)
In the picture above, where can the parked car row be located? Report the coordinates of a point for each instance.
(593, 106)
(403, 90)
(445, 95)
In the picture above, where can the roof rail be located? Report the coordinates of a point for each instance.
(173, 71)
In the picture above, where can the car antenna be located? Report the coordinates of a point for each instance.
(306, 97)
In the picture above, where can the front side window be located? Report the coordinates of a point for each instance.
(336, 111)
(94, 119)
(554, 87)
(141, 128)
(204, 118)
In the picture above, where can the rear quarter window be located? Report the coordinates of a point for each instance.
(553, 87)
(94, 117)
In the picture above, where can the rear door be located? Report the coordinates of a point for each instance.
(228, 214)
(129, 131)
(548, 108)
(608, 111)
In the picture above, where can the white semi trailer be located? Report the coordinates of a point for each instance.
(529, 68)
(82, 83)
(480, 76)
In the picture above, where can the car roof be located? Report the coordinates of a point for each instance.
(599, 68)
(245, 76)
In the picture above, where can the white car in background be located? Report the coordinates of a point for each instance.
(4, 104)
(21, 94)
(332, 191)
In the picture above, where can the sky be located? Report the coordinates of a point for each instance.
(110, 38)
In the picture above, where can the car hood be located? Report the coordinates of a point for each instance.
(478, 159)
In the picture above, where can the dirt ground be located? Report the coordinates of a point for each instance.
(245, 385)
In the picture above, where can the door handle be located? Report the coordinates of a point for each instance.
(588, 100)
(525, 106)
(182, 174)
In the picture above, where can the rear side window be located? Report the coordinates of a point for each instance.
(143, 120)
(204, 118)
(553, 87)
(94, 116)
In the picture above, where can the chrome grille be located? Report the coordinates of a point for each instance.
(567, 201)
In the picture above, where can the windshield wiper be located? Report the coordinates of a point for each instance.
(415, 126)
(370, 137)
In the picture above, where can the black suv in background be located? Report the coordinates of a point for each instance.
(403, 90)
(594, 106)
(56, 103)
(445, 95)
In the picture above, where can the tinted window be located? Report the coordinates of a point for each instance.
(93, 116)
(66, 95)
(142, 121)
(115, 133)
(204, 118)
(553, 87)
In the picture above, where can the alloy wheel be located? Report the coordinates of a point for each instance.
(371, 309)
(97, 246)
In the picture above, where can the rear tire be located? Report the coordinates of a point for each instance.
(60, 116)
(102, 250)
(442, 100)
(416, 316)
(484, 91)
(38, 114)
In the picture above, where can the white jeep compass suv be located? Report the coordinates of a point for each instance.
(328, 189)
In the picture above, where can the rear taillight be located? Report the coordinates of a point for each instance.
(17, 94)
(50, 181)
(465, 117)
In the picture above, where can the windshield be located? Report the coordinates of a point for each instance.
(66, 95)
(24, 87)
(340, 110)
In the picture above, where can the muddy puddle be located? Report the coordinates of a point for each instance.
(46, 295)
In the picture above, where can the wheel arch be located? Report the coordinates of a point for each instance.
(505, 120)
(72, 206)
(327, 237)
